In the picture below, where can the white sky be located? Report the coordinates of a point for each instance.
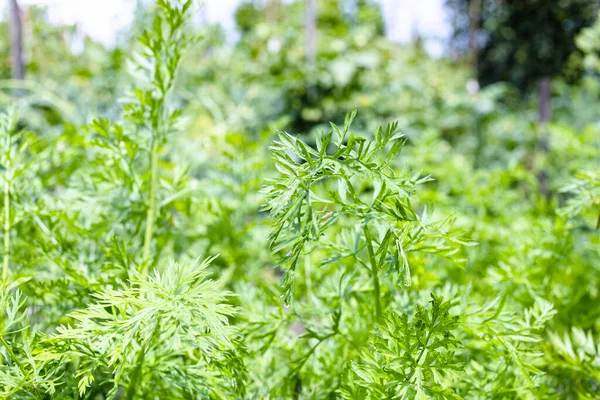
(101, 19)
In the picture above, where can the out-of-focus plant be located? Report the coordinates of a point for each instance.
(69, 77)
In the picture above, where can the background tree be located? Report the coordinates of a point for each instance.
(474, 25)
(525, 42)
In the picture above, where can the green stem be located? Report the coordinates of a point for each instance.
(427, 338)
(374, 274)
(6, 222)
(347, 339)
(311, 351)
(152, 207)
(13, 356)
(135, 376)
(19, 364)
(139, 365)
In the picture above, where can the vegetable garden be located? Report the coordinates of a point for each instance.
(187, 218)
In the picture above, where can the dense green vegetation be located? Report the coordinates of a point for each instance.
(189, 218)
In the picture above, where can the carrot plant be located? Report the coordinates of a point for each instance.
(141, 260)
(131, 333)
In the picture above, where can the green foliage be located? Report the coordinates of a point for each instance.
(588, 41)
(130, 334)
(408, 359)
(370, 197)
(20, 375)
(577, 357)
(585, 192)
(511, 360)
(167, 334)
(347, 275)
(319, 91)
(134, 146)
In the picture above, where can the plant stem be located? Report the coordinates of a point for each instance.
(135, 376)
(152, 207)
(311, 351)
(139, 364)
(13, 356)
(374, 274)
(427, 338)
(6, 262)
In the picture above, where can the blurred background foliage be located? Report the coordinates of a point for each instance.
(523, 186)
